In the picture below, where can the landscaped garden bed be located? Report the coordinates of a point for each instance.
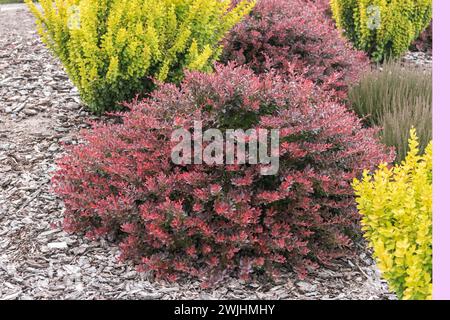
(292, 240)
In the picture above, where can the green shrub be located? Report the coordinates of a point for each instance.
(396, 205)
(111, 48)
(382, 27)
(11, 1)
(396, 98)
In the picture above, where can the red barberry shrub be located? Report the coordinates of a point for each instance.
(296, 36)
(323, 6)
(210, 220)
(425, 41)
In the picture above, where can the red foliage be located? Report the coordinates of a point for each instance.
(425, 41)
(323, 6)
(206, 221)
(296, 36)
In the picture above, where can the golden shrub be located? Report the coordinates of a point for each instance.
(382, 27)
(110, 48)
(396, 205)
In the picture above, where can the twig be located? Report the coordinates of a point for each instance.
(33, 196)
(362, 271)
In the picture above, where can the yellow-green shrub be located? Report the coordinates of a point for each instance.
(382, 27)
(396, 205)
(110, 48)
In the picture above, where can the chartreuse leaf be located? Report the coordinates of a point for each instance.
(395, 204)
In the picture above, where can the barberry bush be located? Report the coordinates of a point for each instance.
(396, 204)
(295, 37)
(111, 48)
(424, 43)
(382, 28)
(211, 220)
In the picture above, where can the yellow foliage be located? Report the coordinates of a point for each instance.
(110, 48)
(382, 27)
(396, 205)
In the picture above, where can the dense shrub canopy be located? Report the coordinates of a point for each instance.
(295, 36)
(206, 220)
(382, 27)
(110, 48)
(396, 205)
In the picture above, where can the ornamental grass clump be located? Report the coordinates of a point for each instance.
(210, 220)
(114, 49)
(396, 97)
(396, 205)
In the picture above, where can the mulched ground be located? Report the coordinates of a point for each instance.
(39, 111)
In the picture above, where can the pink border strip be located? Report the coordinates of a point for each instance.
(441, 151)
